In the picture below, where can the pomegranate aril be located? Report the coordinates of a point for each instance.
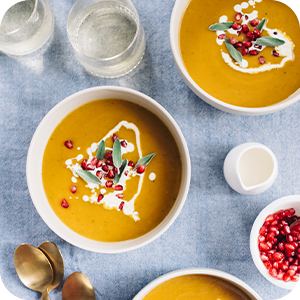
(256, 33)
(114, 137)
(120, 196)
(236, 26)
(119, 187)
(271, 236)
(141, 169)
(73, 189)
(264, 247)
(286, 277)
(232, 40)
(83, 164)
(261, 60)
(100, 197)
(108, 184)
(222, 36)
(111, 174)
(246, 17)
(247, 44)
(238, 45)
(260, 47)
(99, 174)
(250, 36)
(126, 173)
(121, 205)
(289, 238)
(245, 28)
(99, 163)
(69, 144)
(131, 164)
(94, 161)
(238, 17)
(64, 203)
(105, 168)
(264, 257)
(90, 167)
(289, 247)
(273, 272)
(124, 144)
(275, 53)
(245, 51)
(263, 230)
(269, 218)
(109, 162)
(268, 265)
(292, 211)
(278, 256)
(261, 239)
(254, 22)
(108, 155)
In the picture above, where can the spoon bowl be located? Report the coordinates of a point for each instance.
(78, 287)
(33, 269)
(56, 260)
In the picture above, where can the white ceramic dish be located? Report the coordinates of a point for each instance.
(282, 203)
(233, 176)
(178, 11)
(35, 157)
(200, 271)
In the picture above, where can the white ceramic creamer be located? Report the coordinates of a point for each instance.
(250, 168)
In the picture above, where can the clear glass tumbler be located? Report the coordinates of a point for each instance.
(107, 36)
(26, 27)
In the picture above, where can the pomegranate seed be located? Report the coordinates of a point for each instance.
(108, 184)
(94, 161)
(247, 44)
(278, 256)
(261, 239)
(238, 17)
(263, 230)
(254, 22)
(261, 60)
(250, 36)
(111, 174)
(281, 247)
(238, 45)
(289, 247)
(292, 211)
(100, 197)
(271, 236)
(99, 174)
(119, 187)
(105, 168)
(126, 173)
(120, 196)
(99, 163)
(121, 205)
(255, 52)
(286, 277)
(73, 189)
(89, 167)
(83, 164)
(280, 274)
(273, 272)
(246, 17)
(69, 144)
(264, 247)
(141, 169)
(238, 33)
(295, 278)
(289, 238)
(275, 32)
(116, 170)
(256, 33)
(275, 53)
(245, 51)
(222, 36)
(264, 257)
(108, 155)
(236, 26)
(268, 265)
(114, 137)
(269, 218)
(124, 144)
(232, 40)
(64, 203)
(131, 164)
(109, 162)
(260, 47)
(245, 28)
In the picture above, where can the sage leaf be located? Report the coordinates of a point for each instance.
(122, 169)
(221, 26)
(261, 25)
(269, 41)
(235, 54)
(144, 160)
(88, 176)
(117, 154)
(101, 150)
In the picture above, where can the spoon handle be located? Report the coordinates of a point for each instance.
(45, 296)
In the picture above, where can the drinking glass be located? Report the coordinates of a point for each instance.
(107, 36)
(26, 27)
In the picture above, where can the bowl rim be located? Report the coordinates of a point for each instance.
(37, 192)
(174, 41)
(196, 271)
(281, 203)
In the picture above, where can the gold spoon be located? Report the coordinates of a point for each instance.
(55, 258)
(78, 287)
(33, 268)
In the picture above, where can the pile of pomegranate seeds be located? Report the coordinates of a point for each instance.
(279, 246)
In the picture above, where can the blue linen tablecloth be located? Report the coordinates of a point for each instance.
(213, 229)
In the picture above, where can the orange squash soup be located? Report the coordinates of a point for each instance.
(111, 170)
(200, 287)
(242, 53)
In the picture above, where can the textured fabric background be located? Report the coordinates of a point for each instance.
(213, 228)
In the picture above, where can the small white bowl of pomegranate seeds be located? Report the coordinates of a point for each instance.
(275, 244)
